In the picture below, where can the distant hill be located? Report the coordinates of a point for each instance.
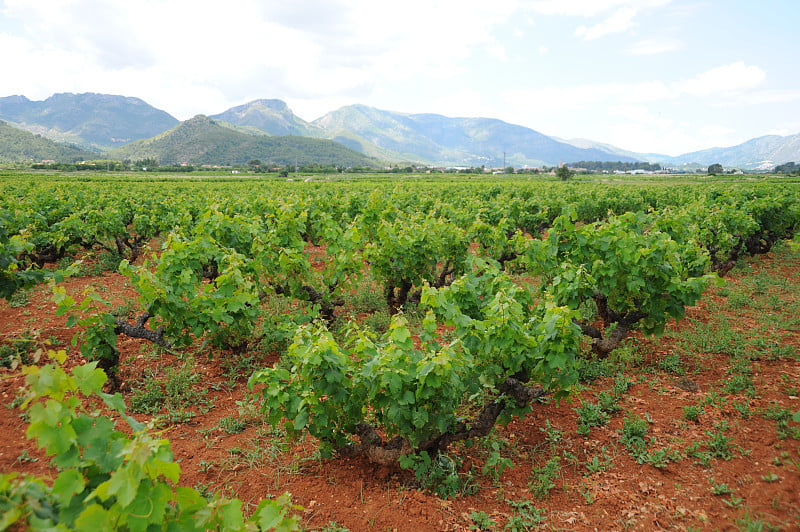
(275, 118)
(93, 121)
(614, 151)
(17, 145)
(761, 153)
(449, 141)
(202, 140)
(270, 116)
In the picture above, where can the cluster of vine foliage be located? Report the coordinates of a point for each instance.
(108, 479)
(506, 352)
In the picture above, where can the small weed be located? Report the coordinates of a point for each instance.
(25, 457)
(621, 385)
(204, 488)
(748, 523)
(739, 301)
(739, 383)
(495, 465)
(439, 475)
(552, 434)
(786, 431)
(481, 521)
(790, 385)
(734, 501)
(527, 516)
(785, 351)
(720, 489)
(772, 477)
(592, 369)
(634, 429)
(365, 298)
(714, 399)
(692, 413)
(601, 462)
(795, 464)
(588, 496)
(236, 367)
(232, 424)
(672, 364)
(607, 402)
(719, 445)
(20, 298)
(776, 412)
(744, 409)
(590, 415)
(544, 478)
(660, 458)
(333, 526)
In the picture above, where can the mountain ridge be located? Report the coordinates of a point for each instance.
(203, 140)
(18, 145)
(90, 120)
(99, 122)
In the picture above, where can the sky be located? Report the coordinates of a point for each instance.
(651, 76)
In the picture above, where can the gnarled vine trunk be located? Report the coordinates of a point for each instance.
(388, 453)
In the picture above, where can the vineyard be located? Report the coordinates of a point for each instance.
(458, 353)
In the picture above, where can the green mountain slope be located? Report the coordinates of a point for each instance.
(270, 116)
(202, 140)
(17, 145)
(275, 118)
(455, 141)
(93, 121)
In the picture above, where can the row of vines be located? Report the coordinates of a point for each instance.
(205, 256)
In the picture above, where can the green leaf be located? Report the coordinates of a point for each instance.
(123, 483)
(301, 420)
(89, 379)
(94, 517)
(269, 514)
(68, 484)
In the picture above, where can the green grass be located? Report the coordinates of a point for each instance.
(177, 389)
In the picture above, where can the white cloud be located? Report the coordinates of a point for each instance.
(645, 91)
(766, 96)
(454, 104)
(553, 99)
(724, 79)
(304, 49)
(556, 99)
(653, 47)
(734, 79)
(641, 114)
(590, 8)
(619, 14)
(788, 128)
(672, 139)
(618, 22)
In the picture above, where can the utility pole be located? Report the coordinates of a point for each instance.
(504, 161)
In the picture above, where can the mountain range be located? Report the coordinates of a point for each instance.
(125, 127)
(17, 144)
(203, 140)
(96, 122)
